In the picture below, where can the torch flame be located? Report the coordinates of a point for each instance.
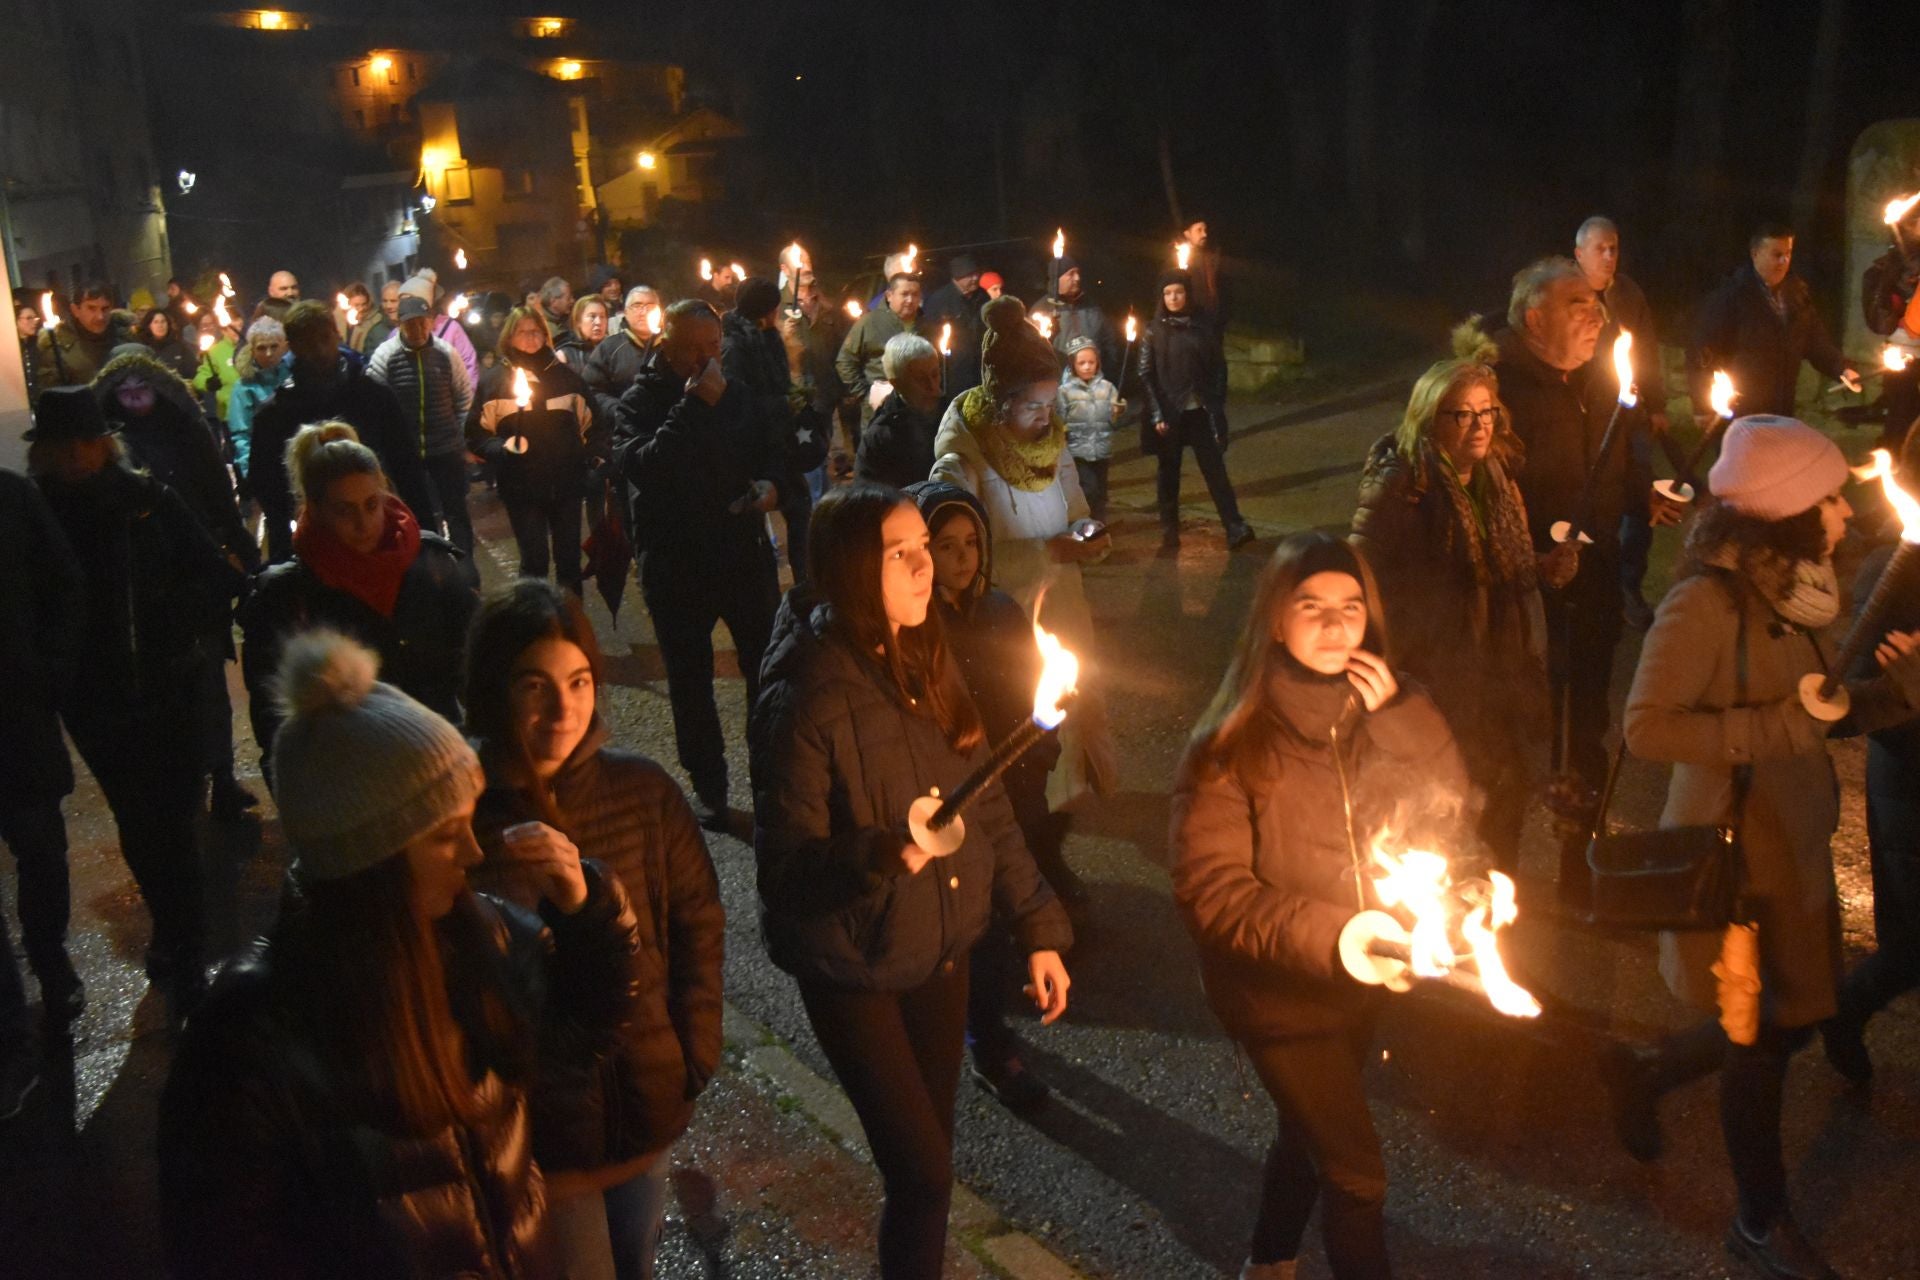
(853, 307)
(1905, 505)
(793, 255)
(654, 316)
(1133, 327)
(458, 304)
(1044, 323)
(189, 306)
(739, 272)
(522, 392)
(46, 309)
(1182, 254)
(340, 301)
(353, 316)
(1721, 397)
(206, 343)
(460, 259)
(1894, 359)
(1623, 368)
(908, 259)
(946, 339)
(221, 313)
(1059, 242)
(1897, 208)
(706, 268)
(226, 285)
(1417, 881)
(1059, 679)
(1481, 928)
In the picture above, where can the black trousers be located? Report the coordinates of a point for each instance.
(36, 832)
(1893, 832)
(897, 1056)
(1326, 1152)
(447, 475)
(535, 522)
(1093, 483)
(216, 716)
(153, 789)
(1194, 430)
(684, 606)
(796, 512)
(1583, 628)
(1636, 524)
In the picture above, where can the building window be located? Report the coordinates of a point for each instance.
(459, 184)
(355, 73)
(393, 74)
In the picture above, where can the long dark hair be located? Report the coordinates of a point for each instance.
(843, 562)
(1232, 732)
(1765, 550)
(508, 623)
(405, 1013)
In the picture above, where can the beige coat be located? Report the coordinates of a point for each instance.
(1683, 709)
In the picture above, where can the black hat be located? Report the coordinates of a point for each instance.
(1064, 263)
(68, 413)
(962, 265)
(412, 307)
(756, 297)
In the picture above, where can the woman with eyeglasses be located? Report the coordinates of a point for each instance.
(1442, 520)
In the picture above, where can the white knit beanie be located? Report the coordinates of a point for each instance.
(359, 768)
(1774, 467)
(421, 285)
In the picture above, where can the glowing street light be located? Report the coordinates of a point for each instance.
(647, 160)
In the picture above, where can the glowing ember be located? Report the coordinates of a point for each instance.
(1133, 327)
(946, 339)
(460, 259)
(1623, 368)
(1481, 928)
(1182, 254)
(854, 308)
(1721, 397)
(1059, 242)
(1059, 679)
(522, 392)
(1894, 358)
(1898, 208)
(1905, 505)
(706, 268)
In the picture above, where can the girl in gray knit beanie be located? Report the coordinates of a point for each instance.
(354, 1098)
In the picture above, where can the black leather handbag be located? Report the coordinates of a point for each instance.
(1676, 878)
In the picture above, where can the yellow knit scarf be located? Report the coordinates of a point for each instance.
(1027, 465)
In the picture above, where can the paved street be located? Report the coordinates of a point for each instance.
(1146, 1162)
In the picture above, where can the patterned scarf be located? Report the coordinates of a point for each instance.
(1805, 593)
(1027, 465)
(1492, 538)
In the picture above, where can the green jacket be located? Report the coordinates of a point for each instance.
(859, 361)
(67, 357)
(217, 362)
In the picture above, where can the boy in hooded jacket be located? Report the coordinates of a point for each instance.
(1089, 404)
(991, 639)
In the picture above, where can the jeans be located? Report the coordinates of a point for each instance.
(534, 523)
(1326, 1151)
(1893, 833)
(636, 1217)
(447, 474)
(685, 603)
(1194, 430)
(1093, 482)
(36, 832)
(897, 1056)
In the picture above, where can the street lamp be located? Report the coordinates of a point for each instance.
(648, 160)
(427, 203)
(185, 180)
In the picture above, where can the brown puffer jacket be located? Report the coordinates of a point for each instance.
(1270, 857)
(602, 1123)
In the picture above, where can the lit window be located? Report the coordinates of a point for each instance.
(568, 70)
(546, 28)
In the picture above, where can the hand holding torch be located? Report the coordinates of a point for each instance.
(1685, 485)
(1575, 530)
(1824, 697)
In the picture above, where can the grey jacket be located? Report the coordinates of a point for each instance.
(433, 387)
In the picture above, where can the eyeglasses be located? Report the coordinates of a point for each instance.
(1464, 418)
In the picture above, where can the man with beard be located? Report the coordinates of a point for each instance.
(958, 303)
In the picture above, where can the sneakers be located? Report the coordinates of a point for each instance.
(1847, 1050)
(1012, 1082)
(1634, 1100)
(1782, 1253)
(19, 1075)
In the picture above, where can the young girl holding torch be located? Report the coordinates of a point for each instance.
(1310, 749)
(861, 712)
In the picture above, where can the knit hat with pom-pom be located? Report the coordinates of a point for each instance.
(1013, 354)
(359, 768)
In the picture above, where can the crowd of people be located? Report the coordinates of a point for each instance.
(491, 998)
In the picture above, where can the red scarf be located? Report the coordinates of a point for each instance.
(373, 578)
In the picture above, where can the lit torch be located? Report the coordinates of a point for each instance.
(206, 343)
(706, 269)
(1625, 398)
(52, 318)
(1059, 252)
(1133, 331)
(1044, 323)
(189, 306)
(936, 824)
(47, 312)
(1454, 937)
(460, 259)
(739, 272)
(458, 304)
(221, 313)
(946, 349)
(226, 286)
(854, 308)
(1896, 213)
(1182, 254)
(1686, 481)
(522, 401)
(1823, 696)
(1894, 359)
(654, 316)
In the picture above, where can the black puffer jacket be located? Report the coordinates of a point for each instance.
(1271, 859)
(757, 359)
(1738, 330)
(347, 393)
(40, 612)
(266, 1170)
(419, 646)
(838, 757)
(624, 811)
(1178, 363)
(556, 441)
